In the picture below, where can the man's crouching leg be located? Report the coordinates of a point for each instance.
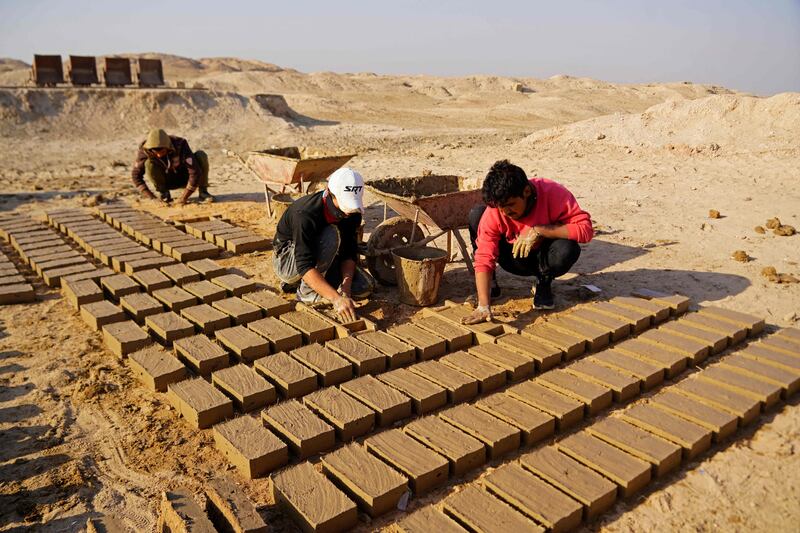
(202, 186)
(327, 249)
(556, 257)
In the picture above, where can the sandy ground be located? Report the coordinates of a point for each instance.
(79, 437)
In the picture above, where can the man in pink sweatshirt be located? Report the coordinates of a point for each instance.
(528, 227)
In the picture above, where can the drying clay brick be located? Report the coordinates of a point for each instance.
(14, 279)
(93, 275)
(618, 327)
(389, 404)
(789, 381)
(657, 311)
(179, 512)
(235, 284)
(371, 483)
(571, 345)
(534, 424)
(771, 357)
(484, 513)
(272, 304)
(185, 254)
(535, 498)
(460, 387)
(745, 408)
(42, 266)
(516, 365)
(120, 262)
(623, 386)
(424, 520)
(425, 343)
(244, 245)
(245, 344)
(425, 395)
(424, 468)
(227, 503)
(175, 298)
(456, 313)
(664, 455)
(463, 452)
(168, 327)
(81, 292)
(687, 339)
(208, 268)
(206, 318)
(152, 279)
(16, 294)
(307, 434)
(52, 278)
(201, 354)
(498, 436)
(98, 314)
(146, 263)
(156, 368)
(124, 337)
(139, 306)
(780, 345)
(585, 485)
(181, 274)
(649, 374)
(489, 376)
(281, 336)
(199, 402)
(240, 311)
(399, 353)
(365, 359)
(120, 285)
(313, 328)
(565, 409)
(245, 387)
(656, 353)
(751, 385)
(457, 337)
(314, 502)
(722, 423)
(348, 416)
(754, 324)
(735, 334)
(205, 291)
(596, 337)
(251, 447)
(596, 397)
(638, 319)
(545, 356)
(330, 368)
(292, 378)
(693, 438)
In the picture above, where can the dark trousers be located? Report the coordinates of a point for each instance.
(553, 257)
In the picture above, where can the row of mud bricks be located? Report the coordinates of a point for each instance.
(14, 288)
(226, 235)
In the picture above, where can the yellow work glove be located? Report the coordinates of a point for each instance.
(482, 313)
(524, 243)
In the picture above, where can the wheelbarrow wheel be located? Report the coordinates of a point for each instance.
(391, 233)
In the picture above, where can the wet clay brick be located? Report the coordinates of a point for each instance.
(179, 512)
(390, 405)
(206, 318)
(399, 353)
(534, 424)
(638, 319)
(146, 263)
(175, 298)
(664, 455)
(754, 324)
(251, 447)
(245, 344)
(281, 336)
(596, 397)
(460, 387)
(139, 306)
(425, 343)
(52, 278)
(424, 468)
(744, 407)
(657, 311)
(350, 417)
(682, 328)
(751, 385)
(181, 274)
(292, 378)
(623, 386)
(240, 311)
(596, 337)
(721, 423)
(270, 303)
(735, 333)
(94, 274)
(425, 395)
(649, 374)
(152, 279)
(481, 511)
(98, 314)
(655, 353)
(307, 433)
(124, 337)
(208, 268)
(227, 503)
(498, 436)
(245, 387)
(566, 410)
(330, 368)
(463, 452)
(618, 327)
(516, 365)
(82, 292)
(156, 368)
(789, 381)
(244, 245)
(313, 328)
(489, 376)
(235, 284)
(168, 327)
(571, 345)
(771, 357)
(205, 291)
(201, 354)
(544, 355)
(457, 337)
(15, 294)
(693, 438)
(365, 359)
(199, 402)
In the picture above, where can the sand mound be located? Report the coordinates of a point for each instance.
(730, 122)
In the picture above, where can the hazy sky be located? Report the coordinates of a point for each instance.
(750, 45)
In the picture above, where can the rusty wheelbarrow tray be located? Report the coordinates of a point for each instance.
(441, 204)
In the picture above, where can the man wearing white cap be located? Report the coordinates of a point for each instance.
(316, 245)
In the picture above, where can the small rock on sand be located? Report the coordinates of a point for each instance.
(713, 213)
(741, 256)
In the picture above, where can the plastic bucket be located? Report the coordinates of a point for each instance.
(281, 202)
(419, 274)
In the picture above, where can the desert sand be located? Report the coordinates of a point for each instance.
(79, 436)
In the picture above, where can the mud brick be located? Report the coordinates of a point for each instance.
(313, 328)
(782, 345)
(207, 268)
(281, 336)
(124, 337)
(425, 395)
(227, 503)
(292, 378)
(152, 279)
(596, 337)
(460, 387)
(222, 239)
(649, 374)
(596, 397)
(457, 337)
(389, 404)
(272, 304)
(107, 254)
(119, 262)
(424, 468)
(735, 334)
(534, 424)
(481, 511)
(156, 368)
(426, 344)
(639, 320)
(655, 353)
(206, 318)
(330, 368)
(179, 512)
(201, 354)
(98, 314)
(175, 298)
(199, 402)
(245, 387)
(140, 306)
(694, 336)
(245, 344)
(365, 359)
(240, 311)
(498, 436)
(206, 291)
(169, 326)
(622, 385)
(771, 357)
(171, 243)
(399, 353)
(754, 324)
(306, 433)
(180, 273)
(662, 453)
(132, 267)
(251, 447)
(31, 256)
(566, 410)
(571, 345)
(9, 270)
(235, 284)
(52, 278)
(49, 266)
(82, 292)
(463, 452)
(618, 327)
(120, 285)
(516, 365)
(242, 245)
(751, 385)
(544, 355)
(696, 349)
(534, 497)
(745, 408)
(721, 423)
(348, 416)
(314, 502)
(45, 246)
(53, 256)
(15, 294)
(657, 311)
(789, 381)
(489, 376)
(693, 438)
(12, 280)
(627, 471)
(198, 251)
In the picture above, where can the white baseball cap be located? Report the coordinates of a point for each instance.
(347, 186)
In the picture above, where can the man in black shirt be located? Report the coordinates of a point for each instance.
(316, 245)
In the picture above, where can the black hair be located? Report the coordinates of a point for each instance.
(503, 181)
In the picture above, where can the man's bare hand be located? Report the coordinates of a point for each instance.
(524, 243)
(482, 313)
(345, 307)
